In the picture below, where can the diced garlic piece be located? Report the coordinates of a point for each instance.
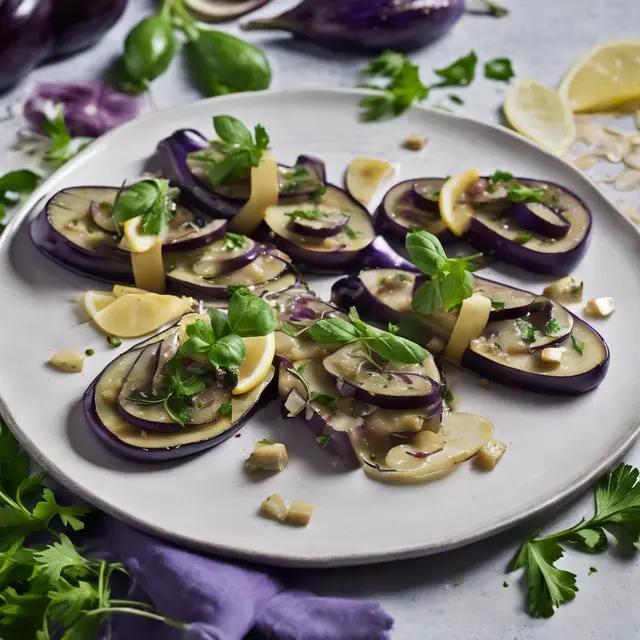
(267, 457)
(551, 355)
(415, 142)
(566, 290)
(68, 360)
(489, 454)
(275, 507)
(600, 307)
(300, 513)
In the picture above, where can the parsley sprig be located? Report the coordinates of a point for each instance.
(152, 199)
(516, 191)
(62, 147)
(51, 589)
(617, 512)
(450, 281)
(242, 150)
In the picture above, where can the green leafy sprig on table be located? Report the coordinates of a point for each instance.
(404, 87)
(62, 147)
(13, 187)
(617, 512)
(451, 281)
(339, 331)
(241, 149)
(220, 340)
(50, 590)
(151, 199)
(217, 62)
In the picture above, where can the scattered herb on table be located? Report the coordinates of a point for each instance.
(450, 280)
(500, 69)
(241, 149)
(617, 512)
(14, 185)
(48, 585)
(62, 147)
(459, 73)
(455, 99)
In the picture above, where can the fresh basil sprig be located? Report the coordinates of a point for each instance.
(13, 187)
(387, 345)
(500, 69)
(459, 73)
(450, 280)
(150, 199)
(242, 150)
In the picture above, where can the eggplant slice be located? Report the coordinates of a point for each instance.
(186, 155)
(338, 251)
(119, 429)
(549, 236)
(509, 349)
(72, 230)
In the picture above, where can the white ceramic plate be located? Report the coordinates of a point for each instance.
(556, 445)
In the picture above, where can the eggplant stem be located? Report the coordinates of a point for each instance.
(267, 24)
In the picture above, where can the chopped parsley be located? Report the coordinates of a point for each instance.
(500, 176)
(552, 327)
(356, 413)
(499, 69)
(498, 305)
(447, 396)
(578, 345)
(225, 408)
(324, 440)
(527, 331)
(350, 233)
(403, 277)
(306, 214)
(265, 443)
(523, 237)
(455, 99)
(288, 329)
(326, 400)
(233, 241)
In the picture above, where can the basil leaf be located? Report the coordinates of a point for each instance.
(460, 73)
(136, 200)
(499, 69)
(425, 251)
(202, 330)
(231, 130)
(394, 348)
(229, 351)
(20, 182)
(332, 331)
(262, 138)
(218, 323)
(250, 315)
(194, 345)
(220, 63)
(427, 298)
(456, 286)
(225, 408)
(237, 160)
(500, 176)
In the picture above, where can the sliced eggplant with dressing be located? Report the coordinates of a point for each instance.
(76, 229)
(509, 349)
(338, 251)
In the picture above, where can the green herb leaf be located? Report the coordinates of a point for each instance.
(350, 233)
(62, 146)
(332, 331)
(500, 176)
(499, 69)
(323, 440)
(523, 237)
(48, 508)
(232, 131)
(218, 321)
(578, 345)
(455, 99)
(459, 73)
(521, 193)
(552, 328)
(61, 556)
(226, 408)
(387, 64)
(250, 315)
(527, 331)
(456, 286)
(496, 10)
(498, 305)
(289, 329)
(305, 214)
(228, 351)
(392, 328)
(427, 297)
(328, 401)
(447, 396)
(425, 251)
(394, 348)
(17, 183)
(149, 199)
(233, 241)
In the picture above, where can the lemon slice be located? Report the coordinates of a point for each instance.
(122, 290)
(96, 301)
(457, 217)
(364, 176)
(137, 241)
(260, 353)
(540, 114)
(135, 314)
(606, 76)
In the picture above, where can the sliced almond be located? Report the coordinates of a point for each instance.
(629, 210)
(589, 131)
(627, 180)
(614, 149)
(584, 163)
(632, 160)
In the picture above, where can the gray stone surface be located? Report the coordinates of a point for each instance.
(457, 595)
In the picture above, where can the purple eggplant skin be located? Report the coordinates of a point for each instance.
(26, 38)
(79, 25)
(530, 220)
(381, 255)
(171, 160)
(350, 292)
(367, 25)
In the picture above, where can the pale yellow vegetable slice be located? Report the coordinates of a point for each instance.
(122, 290)
(472, 319)
(148, 269)
(136, 315)
(265, 190)
(137, 240)
(455, 215)
(607, 76)
(364, 176)
(260, 352)
(96, 301)
(540, 114)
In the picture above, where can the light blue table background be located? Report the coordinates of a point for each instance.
(458, 595)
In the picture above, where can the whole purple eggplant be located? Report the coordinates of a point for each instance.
(32, 31)
(371, 25)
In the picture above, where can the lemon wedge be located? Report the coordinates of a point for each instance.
(122, 290)
(258, 359)
(96, 301)
(364, 176)
(606, 76)
(135, 315)
(540, 114)
(137, 240)
(457, 216)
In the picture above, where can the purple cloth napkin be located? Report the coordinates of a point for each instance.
(223, 600)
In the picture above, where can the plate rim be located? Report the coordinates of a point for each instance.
(563, 494)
